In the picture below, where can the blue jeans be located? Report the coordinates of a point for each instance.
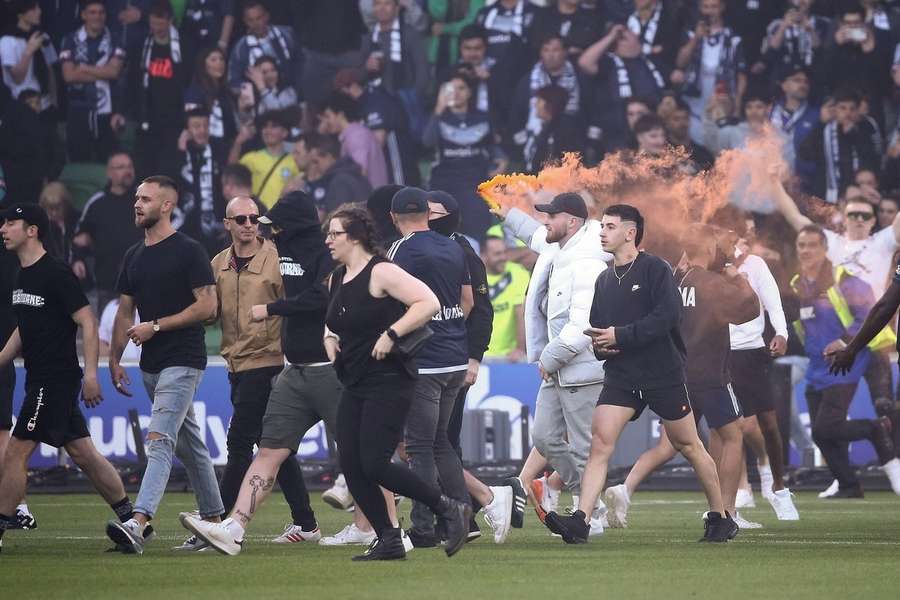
(172, 391)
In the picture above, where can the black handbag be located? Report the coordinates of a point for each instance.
(410, 344)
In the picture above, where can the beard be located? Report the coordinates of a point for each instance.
(148, 222)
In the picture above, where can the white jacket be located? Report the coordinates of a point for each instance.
(559, 298)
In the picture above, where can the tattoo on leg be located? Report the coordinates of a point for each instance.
(259, 484)
(244, 517)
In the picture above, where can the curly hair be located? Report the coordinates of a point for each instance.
(359, 225)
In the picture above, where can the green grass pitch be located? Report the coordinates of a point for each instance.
(840, 549)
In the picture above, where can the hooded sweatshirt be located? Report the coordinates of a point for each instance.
(342, 183)
(305, 264)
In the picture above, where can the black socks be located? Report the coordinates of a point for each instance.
(124, 509)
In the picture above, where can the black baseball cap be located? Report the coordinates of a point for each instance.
(31, 213)
(409, 200)
(569, 202)
(293, 209)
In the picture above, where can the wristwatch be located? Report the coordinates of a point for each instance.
(155, 325)
(392, 334)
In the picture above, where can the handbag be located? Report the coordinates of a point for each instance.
(410, 344)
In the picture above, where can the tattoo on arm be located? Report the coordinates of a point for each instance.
(258, 484)
(204, 292)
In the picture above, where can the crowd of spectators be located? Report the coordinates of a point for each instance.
(341, 97)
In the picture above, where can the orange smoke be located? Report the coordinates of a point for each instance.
(665, 188)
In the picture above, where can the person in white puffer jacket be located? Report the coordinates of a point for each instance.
(557, 308)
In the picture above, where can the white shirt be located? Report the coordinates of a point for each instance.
(870, 259)
(11, 51)
(749, 335)
(107, 320)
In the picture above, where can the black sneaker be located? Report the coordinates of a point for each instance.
(457, 515)
(388, 547)
(854, 491)
(520, 499)
(718, 529)
(573, 529)
(23, 520)
(474, 530)
(422, 540)
(883, 439)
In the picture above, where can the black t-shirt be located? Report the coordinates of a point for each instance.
(9, 271)
(241, 261)
(161, 279)
(45, 296)
(109, 220)
(166, 104)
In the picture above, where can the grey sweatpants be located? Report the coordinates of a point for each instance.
(562, 412)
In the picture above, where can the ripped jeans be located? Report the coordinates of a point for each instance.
(172, 391)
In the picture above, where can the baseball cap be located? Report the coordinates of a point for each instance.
(409, 200)
(32, 214)
(292, 209)
(569, 202)
(444, 199)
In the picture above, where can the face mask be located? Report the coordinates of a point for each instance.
(446, 225)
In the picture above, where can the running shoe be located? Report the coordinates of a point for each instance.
(338, 496)
(216, 535)
(351, 535)
(294, 534)
(783, 504)
(520, 499)
(572, 529)
(498, 514)
(618, 502)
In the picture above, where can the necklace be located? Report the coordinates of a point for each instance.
(616, 272)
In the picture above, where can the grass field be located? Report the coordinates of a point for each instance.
(840, 549)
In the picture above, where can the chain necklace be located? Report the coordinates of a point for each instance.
(616, 272)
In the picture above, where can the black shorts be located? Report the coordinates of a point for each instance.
(718, 405)
(7, 387)
(50, 413)
(750, 380)
(670, 403)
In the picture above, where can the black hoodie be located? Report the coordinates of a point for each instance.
(305, 264)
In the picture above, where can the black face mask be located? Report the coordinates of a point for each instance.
(446, 225)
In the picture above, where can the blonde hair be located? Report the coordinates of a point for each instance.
(55, 190)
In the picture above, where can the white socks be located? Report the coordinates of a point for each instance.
(23, 508)
(765, 479)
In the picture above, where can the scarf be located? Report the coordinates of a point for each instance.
(198, 173)
(518, 18)
(833, 161)
(726, 71)
(784, 120)
(623, 79)
(104, 55)
(174, 49)
(647, 33)
(568, 80)
(799, 45)
(256, 50)
(396, 44)
(38, 61)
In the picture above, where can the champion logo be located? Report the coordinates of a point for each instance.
(635, 287)
(32, 422)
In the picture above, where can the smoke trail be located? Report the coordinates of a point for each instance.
(663, 187)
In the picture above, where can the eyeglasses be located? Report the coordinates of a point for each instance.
(860, 215)
(242, 219)
(333, 234)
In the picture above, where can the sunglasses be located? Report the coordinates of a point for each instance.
(860, 215)
(242, 219)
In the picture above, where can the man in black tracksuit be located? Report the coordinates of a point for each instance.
(635, 326)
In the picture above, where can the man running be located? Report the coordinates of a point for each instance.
(49, 307)
(635, 320)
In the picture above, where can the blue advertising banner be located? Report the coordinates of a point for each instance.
(500, 386)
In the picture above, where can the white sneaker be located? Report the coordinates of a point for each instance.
(892, 470)
(351, 535)
(338, 496)
(192, 544)
(831, 490)
(783, 504)
(744, 499)
(498, 514)
(765, 480)
(596, 526)
(216, 535)
(618, 501)
(294, 534)
(744, 523)
(407, 543)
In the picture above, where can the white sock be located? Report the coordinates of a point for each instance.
(765, 478)
(234, 528)
(23, 508)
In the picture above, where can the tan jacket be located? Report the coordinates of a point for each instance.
(247, 345)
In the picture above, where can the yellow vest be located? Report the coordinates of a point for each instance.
(884, 340)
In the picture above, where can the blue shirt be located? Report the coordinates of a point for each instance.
(80, 48)
(440, 264)
(822, 326)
